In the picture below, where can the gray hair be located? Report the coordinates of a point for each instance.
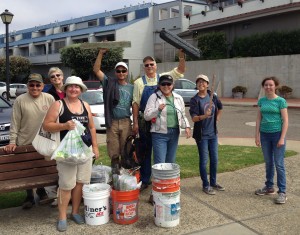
(55, 69)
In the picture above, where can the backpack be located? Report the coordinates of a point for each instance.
(134, 152)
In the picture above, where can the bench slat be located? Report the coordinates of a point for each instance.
(26, 165)
(27, 173)
(20, 149)
(28, 183)
(20, 157)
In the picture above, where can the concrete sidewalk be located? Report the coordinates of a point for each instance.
(236, 211)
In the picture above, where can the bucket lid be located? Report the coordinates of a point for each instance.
(95, 187)
(166, 166)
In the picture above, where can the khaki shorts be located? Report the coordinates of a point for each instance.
(70, 174)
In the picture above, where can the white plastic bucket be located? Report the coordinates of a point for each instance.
(96, 203)
(166, 209)
(165, 171)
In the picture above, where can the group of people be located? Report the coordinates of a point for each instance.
(158, 115)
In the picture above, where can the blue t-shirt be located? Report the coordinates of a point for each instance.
(271, 120)
(122, 110)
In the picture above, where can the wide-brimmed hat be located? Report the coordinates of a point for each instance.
(165, 78)
(35, 77)
(121, 64)
(203, 77)
(73, 80)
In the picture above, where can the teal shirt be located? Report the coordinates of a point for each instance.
(122, 110)
(271, 120)
(172, 120)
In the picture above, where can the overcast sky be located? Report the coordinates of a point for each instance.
(31, 13)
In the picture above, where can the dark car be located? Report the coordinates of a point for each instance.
(5, 113)
(186, 88)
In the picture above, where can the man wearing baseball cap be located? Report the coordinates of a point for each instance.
(28, 113)
(117, 103)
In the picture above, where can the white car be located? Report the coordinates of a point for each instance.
(95, 99)
(12, 89)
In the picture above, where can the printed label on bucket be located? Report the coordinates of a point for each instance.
(92, 212)
(169, 212)
(126, 210)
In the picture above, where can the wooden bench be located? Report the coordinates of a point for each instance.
(24, 169)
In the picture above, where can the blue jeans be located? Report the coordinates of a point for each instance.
(165, 146)
(208, 148)
(273, 156)
(146, 164)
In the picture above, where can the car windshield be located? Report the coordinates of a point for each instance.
(92, 97)
(3, 104)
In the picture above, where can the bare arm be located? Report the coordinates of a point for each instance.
(92, 130)
(257, 133)
(285, 124)
(135, 113)
(181, 65)
(97, 65)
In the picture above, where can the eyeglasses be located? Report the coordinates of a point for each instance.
(121, 71)
(34, 85)
(147, 65)
(55, 75)
(166, 84)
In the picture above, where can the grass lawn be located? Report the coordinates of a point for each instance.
(231, 158)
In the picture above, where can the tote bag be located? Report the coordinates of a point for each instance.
(45, 143)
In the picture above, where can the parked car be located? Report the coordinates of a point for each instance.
(5, 113)
(12, 89)
(2, 84)
(186, 88)
(21, 90)
(93, 85)
(95, 99)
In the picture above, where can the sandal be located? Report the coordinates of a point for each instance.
(78, 219)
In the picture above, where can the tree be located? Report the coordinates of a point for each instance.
(81, 61)
(19, 68)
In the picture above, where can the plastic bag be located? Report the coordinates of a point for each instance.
(72, 149)
(101, 174)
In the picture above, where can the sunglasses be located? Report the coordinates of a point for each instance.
(121, 71)
(55, 75)
(165, 84)
(147, 65)
(34, 85)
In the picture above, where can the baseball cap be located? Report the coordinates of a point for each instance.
(165, 78)
(121, 64)
(203, 77)
(35, 77)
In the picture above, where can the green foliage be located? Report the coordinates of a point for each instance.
(213, 45)
(19, 68)
(81, 61)
(267, 44)
(239, 89)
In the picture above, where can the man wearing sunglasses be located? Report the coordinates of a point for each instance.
(117, 94)
(144, 87)
(28, 113)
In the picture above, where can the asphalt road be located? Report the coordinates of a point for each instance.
(237, 121)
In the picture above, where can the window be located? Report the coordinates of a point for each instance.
(174, 12)
(65, 28)
(92, 23)
(163, 14)
(58, 45)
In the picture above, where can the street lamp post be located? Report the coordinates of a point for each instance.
(6, 17)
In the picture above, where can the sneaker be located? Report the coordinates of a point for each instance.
(218, 187)
(28, 204)
(62, 225)
(209, 190)
(265, 191)
(281, 199)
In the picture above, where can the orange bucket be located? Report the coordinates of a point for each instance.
(166, 185)
(125, 206)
